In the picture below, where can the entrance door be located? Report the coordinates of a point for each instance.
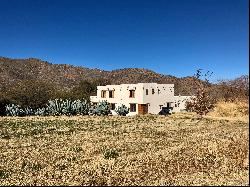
(142, 108)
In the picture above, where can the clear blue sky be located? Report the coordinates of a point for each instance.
(173, 37)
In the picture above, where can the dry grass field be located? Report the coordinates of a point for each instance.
(179, 149)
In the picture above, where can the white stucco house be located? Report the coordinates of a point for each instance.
(141, 98)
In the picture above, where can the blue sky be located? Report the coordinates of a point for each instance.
(172, 37)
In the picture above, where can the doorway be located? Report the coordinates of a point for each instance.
(142, 109)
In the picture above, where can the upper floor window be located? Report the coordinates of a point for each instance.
(103, 94)
(111, 94)
(153, 91)
(146, 91)
(132, 93)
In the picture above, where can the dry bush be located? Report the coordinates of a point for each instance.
(180, 149)
(232, 90)
(231, 109)
(201, 102)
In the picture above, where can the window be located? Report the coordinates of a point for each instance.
(146, 91)
(153, 91)
(132, 107)
(111, 94)
(103, 94)
(132, 93)
(158, 91)
(112, 106)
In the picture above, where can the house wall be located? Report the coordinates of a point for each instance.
(121, 96)
(180, 102)
(164, 96)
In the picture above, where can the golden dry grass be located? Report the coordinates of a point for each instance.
(180, 149)
(238, 110)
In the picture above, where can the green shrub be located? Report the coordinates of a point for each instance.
(80, 107)
(14, 110)
(3, 102)
(122, 110)
(101, 109)
(30, 93)
(41, 112)
(54, 107)
(58, 107)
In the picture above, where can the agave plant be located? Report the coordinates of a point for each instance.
(55, 107)
(41, 112)
(67, 107)
(58, 107)
(28, 111)
(80, 107)
(122, 110)
(101, 109)
(14, 110)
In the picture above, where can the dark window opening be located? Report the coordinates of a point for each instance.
(153, 91)
(111, 94)
(132, 107)
(132, 93)
(112, 106)
(146, 91)
(103, 94)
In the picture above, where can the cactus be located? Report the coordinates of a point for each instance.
(14, 110)
(55, 107)
(28, 111)
(67, 107)
(80, 107)
(92, 110)
(122, 110)
(41, 112)
(102, 109)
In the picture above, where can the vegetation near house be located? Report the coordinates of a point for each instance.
(30, 93)
(201, 102)
(101, 109)
(88, 146)
(32, 82)
(122, 110)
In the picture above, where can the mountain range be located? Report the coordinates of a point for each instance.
(65, 76)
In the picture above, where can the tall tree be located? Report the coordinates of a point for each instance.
(31, 93)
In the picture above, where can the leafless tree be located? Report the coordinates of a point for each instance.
(201, 102)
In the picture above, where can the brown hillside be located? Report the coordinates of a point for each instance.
(65, 76)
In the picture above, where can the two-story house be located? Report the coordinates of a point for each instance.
(141, 98)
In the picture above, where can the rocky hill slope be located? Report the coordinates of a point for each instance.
(65, 76)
